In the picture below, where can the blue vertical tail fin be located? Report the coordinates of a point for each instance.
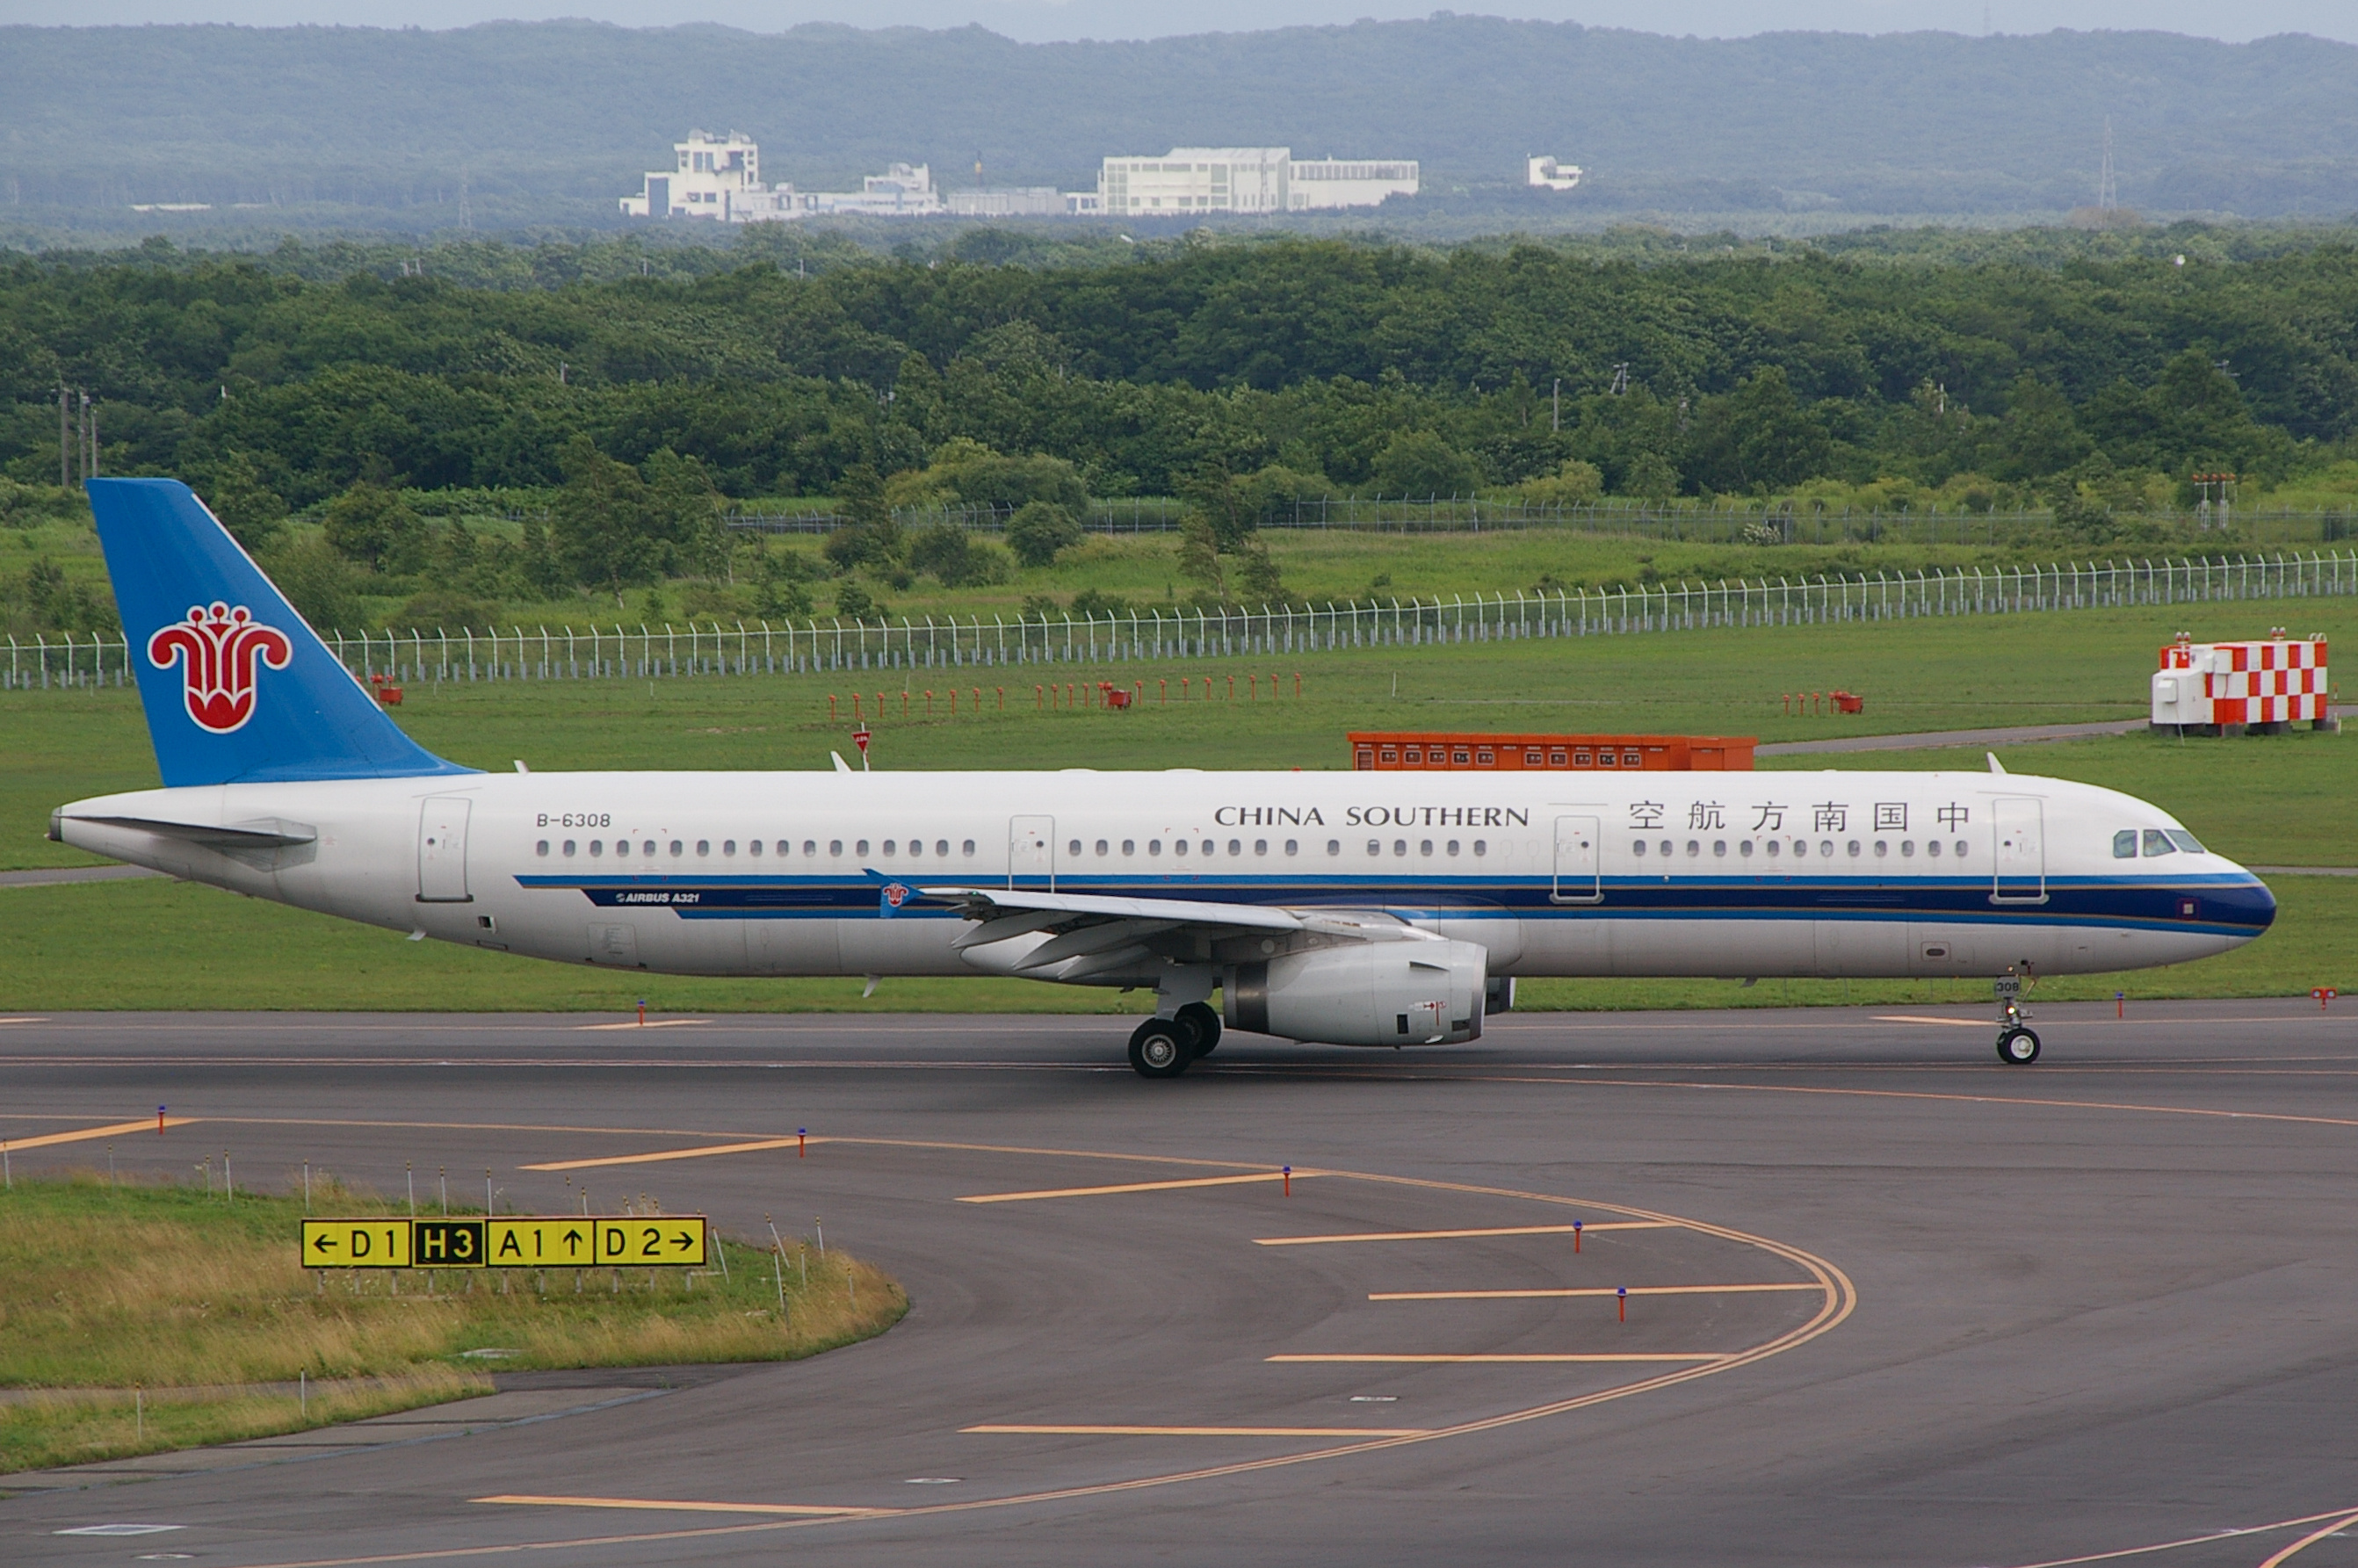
(238, 689)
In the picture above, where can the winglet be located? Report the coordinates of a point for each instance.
(1995, 766)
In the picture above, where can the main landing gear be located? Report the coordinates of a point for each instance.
(1163, 1047)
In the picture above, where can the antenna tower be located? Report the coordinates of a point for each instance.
(2108, 195)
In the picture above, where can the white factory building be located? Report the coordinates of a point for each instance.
(720, 178)
(1546, 174)
(1242, 180)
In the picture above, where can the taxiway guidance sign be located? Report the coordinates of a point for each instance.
(674, 1241)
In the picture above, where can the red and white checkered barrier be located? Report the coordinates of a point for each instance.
(2279, 681)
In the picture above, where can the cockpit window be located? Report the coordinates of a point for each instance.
(2125, 844)
(2157, 842)
(2186, 842)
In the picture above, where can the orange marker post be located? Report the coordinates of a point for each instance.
(159, 1121)
(802, 1135)
(642, 1013)
(1621, 1302)
(1575, 1236)
(1288, 1181)
(1165, 699)
(1297, 684)
(2120, 1004)
(830, 711)
(1252, 687)
(1232, 688)
(929, 705)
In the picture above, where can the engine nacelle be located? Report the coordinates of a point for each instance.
(1375, 993)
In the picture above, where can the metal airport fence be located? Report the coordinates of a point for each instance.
(65, 661)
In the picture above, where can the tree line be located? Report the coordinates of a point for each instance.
(1244, 375)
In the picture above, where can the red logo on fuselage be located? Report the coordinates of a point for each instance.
(221, 652)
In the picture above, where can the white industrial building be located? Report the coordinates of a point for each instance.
(1546, 174)
(1008, 202)
(1242, 180)
(721, 178)
(713, 177)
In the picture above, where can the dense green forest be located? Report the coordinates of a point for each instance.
(630, 409)
(549, 121)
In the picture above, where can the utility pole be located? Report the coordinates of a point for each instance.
(2108, 194)
(89, 439)
(65, 468)
(1555, 406)
(466, 217)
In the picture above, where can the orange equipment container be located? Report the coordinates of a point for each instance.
(1425, 751)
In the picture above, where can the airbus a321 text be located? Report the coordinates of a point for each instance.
(1345, 908)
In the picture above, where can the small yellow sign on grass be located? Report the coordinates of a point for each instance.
(676, 1241)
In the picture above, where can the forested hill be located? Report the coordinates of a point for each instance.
(1329, 364)
(551, 121)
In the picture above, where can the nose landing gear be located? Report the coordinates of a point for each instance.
(2017, 1046)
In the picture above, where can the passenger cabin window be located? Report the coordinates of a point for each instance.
(541, 848)
(2157, 842)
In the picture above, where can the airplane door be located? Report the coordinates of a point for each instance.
(2019, 876)
(442, 849)
(1576, 877)
(1031, 852)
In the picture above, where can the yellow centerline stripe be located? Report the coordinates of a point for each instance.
(79, 1135)
(1134, 1187)
(1450, 1235)
(1701, 1356)
(649, 1023)
(1912, 1018)
(664, 1154)
(2311, 1539)
(1203, 1431)
(2341, 1516)
(1586, 1291)
(797, 1509)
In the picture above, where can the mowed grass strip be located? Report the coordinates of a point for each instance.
(2281, 800)
(107, 1287)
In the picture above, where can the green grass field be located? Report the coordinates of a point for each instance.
(201, 1300)
(2285, 800)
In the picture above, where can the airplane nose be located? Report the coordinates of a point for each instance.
(2249, 902)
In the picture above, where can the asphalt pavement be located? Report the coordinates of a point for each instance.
(1892, 1302)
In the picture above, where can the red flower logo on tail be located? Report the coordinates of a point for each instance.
(220, 652)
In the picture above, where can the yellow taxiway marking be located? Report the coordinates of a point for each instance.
(1453, 1235)
(2311, 1539)
(661, 1154)
(1203, 1431)
(1134, 1187)
(1588, 1290)
(1952, 1023)
(2341, 1518)
(796, 1509)
(1701, 1356)
(82, 1134)
(649, 1023)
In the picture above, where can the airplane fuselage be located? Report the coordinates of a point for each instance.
(1848, 873)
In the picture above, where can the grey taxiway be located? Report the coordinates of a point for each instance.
(1890, 1301)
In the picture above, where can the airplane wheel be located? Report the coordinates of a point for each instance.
(2018, 1047)
(1157, 1049)
(1199, 1026)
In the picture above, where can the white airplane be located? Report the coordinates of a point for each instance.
(1350, 909)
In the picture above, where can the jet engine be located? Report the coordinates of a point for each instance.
(1374, 993)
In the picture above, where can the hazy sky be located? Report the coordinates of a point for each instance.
(1053, 19)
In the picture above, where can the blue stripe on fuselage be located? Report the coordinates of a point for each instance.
(2223, 904)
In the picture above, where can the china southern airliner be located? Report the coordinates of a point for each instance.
(1348, 908)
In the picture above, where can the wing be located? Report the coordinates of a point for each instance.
(1129, 941)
